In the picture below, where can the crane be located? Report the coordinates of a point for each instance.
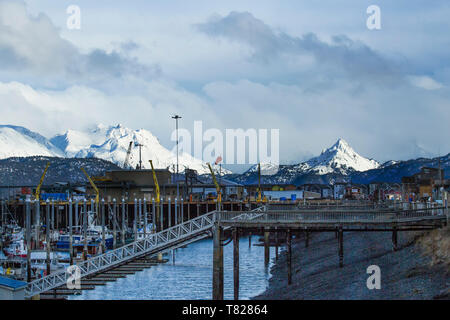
(97, 196)
(38, 189)
(158, 200)
(219, 195)
(127, 158)
(155, 180)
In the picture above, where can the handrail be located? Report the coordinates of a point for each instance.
(172, 237)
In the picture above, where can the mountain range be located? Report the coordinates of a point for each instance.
(339, 163)
(104, 142)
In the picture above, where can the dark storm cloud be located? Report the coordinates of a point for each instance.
(342, 53)
(32, 47)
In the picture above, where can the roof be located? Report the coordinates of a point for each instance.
(11, 283)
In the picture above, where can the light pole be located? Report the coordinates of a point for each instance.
(176, 117)
(137, 144)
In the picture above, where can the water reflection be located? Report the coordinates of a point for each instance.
(191, 276)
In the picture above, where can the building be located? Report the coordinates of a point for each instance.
(139, 184)
(424, 185)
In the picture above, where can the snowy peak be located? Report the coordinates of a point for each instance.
(18, 141)
(112, 142)
(341, 158)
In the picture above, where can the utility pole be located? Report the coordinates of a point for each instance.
(176, 117)
(137, 144)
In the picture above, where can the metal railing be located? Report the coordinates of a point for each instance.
(171, 238)
(152, 243)
(333, 216)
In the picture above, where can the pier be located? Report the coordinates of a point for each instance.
(173, 228)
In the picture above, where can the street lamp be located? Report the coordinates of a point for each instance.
(176, 117)
(137, 144)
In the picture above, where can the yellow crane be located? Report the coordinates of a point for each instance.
(97, 196)
(155, 180)
(38, 189)
(219, 195)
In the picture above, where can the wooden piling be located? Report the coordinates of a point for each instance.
(114, 223)
(85, 224)
(145, 218)
(394, 238)
(182, 210)
(276, 244)
(37, 221)
(266, 248)
(217, 263)
(28, 237)
(289, 256)
(236, 262)
(154, 222)
(306, 238)
(161, 214)
(341, 247)
(77, 223)
(103, 246)
(53, 215)
(47, 236)
(124, 228)
(70, 234)
(134, 220)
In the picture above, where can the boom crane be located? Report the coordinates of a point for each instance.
(38, 189)
(219, 195)
(156, 223)
(127, 158)
(97, 196)
(155, 181)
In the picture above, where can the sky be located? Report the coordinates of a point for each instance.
(311, 69)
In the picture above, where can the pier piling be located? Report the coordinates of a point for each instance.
(28, 237)
(236, 262)
(276, 244)
(394, 238)
(289, 255)
(47, 236)
(341, 247)
(217, 263)
(70, 234)
(266, 248)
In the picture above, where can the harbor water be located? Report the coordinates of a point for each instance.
(191, 275)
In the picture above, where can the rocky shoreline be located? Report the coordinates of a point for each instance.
(405, 274)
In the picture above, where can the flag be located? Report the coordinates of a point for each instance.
(218, 160)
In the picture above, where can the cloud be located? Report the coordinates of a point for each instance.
(425, 82)
(339, 57)
(247, 74)
(31, 49)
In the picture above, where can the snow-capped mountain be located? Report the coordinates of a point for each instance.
(18, 141)
(111, 143)
(340, 158)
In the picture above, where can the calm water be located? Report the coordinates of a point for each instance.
(191, 276)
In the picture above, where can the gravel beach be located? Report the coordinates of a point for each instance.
(405, 274)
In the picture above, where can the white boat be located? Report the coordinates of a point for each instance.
(16, 249)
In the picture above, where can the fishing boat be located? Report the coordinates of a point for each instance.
(16, 249)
